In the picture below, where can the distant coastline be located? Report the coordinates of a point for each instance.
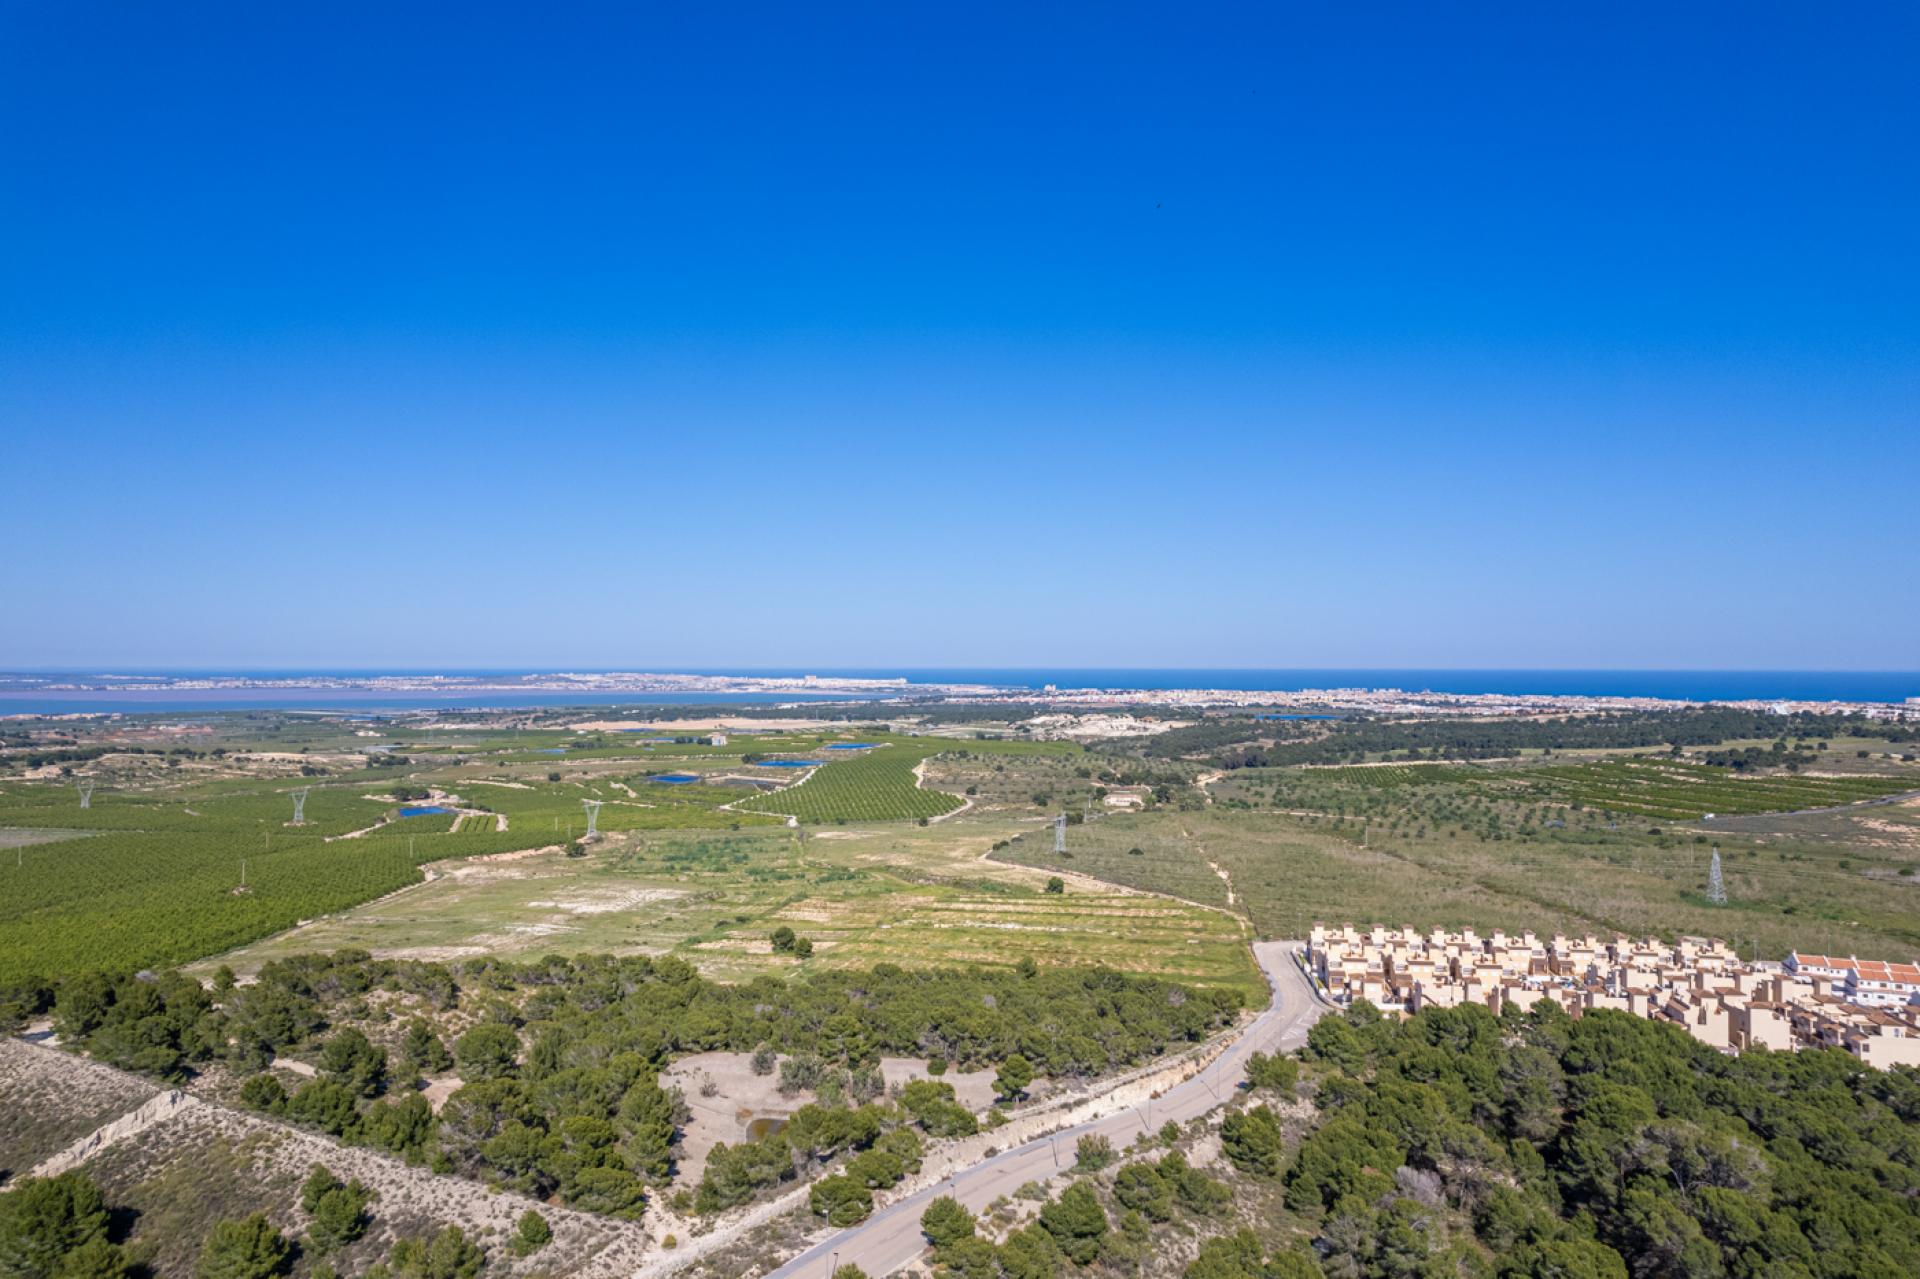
(182, 691)
(1675, 685)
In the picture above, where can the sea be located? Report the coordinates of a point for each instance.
(22, 692)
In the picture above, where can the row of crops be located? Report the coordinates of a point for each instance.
(879, 785)
(149, 881)
(554, 811)
(1390, 776)
(874, 785)
(1687, 792)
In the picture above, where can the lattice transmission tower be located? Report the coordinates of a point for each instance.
(1060, 833)
(300, 805)
(593, 816)
(1716, 886)
(86, 794)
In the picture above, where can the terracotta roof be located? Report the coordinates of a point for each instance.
(1878, 970)
(1820, 961)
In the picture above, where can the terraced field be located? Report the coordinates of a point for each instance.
(861, 895)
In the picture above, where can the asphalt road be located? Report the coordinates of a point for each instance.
(891, 1237)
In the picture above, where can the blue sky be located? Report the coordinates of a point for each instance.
(1481, 336)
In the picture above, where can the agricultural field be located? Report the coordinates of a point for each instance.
(1075, 782)
(861, 895)
(157, 878)
(1297, 846)
(169, 866)
(1390, 776)
(881, 784)
(1571, 794)
(1653, 787)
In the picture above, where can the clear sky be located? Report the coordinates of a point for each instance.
(705, 335)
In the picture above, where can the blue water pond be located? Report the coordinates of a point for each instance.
(853, 746)
(424, 810)
(675, 779)
(788, 763)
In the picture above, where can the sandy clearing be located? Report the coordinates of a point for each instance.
(739, 945)
(433, 954)
(812, 913)
(519, 855)
(608, 903)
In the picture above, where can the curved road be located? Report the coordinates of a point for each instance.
(891, 1237)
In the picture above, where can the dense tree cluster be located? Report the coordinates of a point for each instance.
(1074, 1226)
(1744, 759)
(1457, 1143)
(57, 1227)
(560, 1093)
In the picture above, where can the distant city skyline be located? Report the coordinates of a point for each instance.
(1257, 337)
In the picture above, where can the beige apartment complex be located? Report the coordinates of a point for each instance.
(1867, 1008)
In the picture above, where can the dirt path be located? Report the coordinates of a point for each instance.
(1092, 883)
(1225, 878)
(920, 780)
(1215, 866)
(1750, 822)
(740, 805)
